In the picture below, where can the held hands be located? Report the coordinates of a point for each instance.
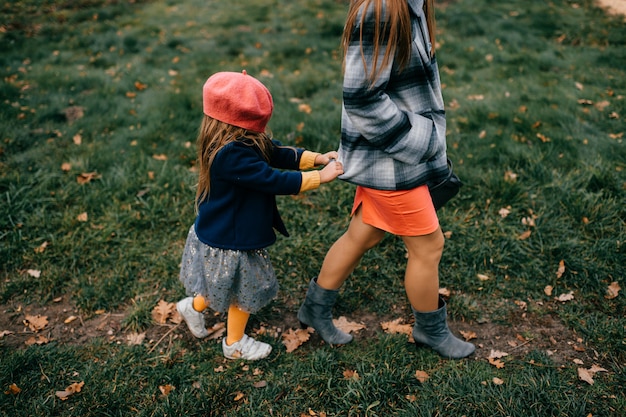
(324, 158)
(332, 169)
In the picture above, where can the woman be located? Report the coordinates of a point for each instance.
(392, 145)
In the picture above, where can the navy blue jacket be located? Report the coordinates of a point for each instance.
(241, 211)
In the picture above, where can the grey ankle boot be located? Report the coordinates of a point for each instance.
(316, 312)
(431, 329)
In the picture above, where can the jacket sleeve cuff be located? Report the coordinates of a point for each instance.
(310, 180)
(307, 161)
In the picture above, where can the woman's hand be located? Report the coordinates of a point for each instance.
(332, 170)
(325, 158)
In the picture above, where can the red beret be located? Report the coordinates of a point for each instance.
(237, 99)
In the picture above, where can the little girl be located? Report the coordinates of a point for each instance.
(225, 264)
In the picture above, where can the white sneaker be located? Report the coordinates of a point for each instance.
(246, 348)
(194, 319)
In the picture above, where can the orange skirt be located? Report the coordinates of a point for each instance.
(403, 213)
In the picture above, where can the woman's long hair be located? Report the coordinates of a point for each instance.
(395, 31)
(213, 136)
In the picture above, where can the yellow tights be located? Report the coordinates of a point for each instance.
(235, 323)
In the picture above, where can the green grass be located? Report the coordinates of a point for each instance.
(532, 89)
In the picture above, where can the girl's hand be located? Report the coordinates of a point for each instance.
(331, 171)
(325, 158)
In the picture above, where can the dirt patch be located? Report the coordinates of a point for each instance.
(523, 333)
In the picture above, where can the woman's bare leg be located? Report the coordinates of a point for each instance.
(344, 255)
(421, 279)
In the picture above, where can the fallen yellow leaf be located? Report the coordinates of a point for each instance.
(347, 326)
(162, 311)
(13, 390)
(561, 269)
(612, 290)
(35, 323)
(293, 339)
(72, 389)
(421, 376)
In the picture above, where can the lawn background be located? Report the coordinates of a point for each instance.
(535, 103)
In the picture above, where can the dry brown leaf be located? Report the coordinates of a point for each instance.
(13, 390)
(524, 235)
(35, 273)
(140, 86)
(35, 323)
(166, 389)
(504, 211)
(469, 335)
(421, 376)
(134, 339)
(543, 138)
(396, 326)
(565, 297)
(496, 362)
(510, 176)
(82, 217)
(260, 384)
(496, 354)
(587, 374)
(601, 105)
(72, 389)
(482, 277)
(529, 221)
(87, 177)
(69, 319)
(5, 333)
(444, 292)
(304, 108)
(239, 395)
(347, 326)
(38, 340)
(497, 381)
(160, 157)
(612, 290)
(548, 290)
(561, 269)
(162, 311)
(293, 339)
(216, 331)
(41, 248)
(350, 374)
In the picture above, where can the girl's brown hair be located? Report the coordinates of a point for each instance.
(213, 136)
(395, 31)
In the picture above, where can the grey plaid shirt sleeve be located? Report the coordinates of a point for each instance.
(393, 132)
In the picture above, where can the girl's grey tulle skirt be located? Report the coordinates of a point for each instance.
(225, 277)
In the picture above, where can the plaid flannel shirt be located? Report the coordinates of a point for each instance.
(393, 134)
